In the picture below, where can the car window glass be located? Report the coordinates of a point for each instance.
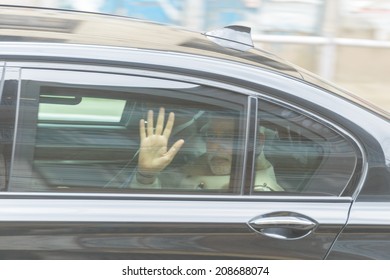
(75, 136)
(112, 110)
(299, 154)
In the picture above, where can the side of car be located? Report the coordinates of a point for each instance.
(72, 151)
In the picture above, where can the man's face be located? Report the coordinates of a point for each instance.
(219, 139)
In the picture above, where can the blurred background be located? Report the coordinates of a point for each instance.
(344, 41)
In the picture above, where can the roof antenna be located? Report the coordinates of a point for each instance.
(235, 37)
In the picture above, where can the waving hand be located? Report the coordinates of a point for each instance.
(154, 155)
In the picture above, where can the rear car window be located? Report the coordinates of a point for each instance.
(306, 154)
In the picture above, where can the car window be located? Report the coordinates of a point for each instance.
(111, 109)
(76, 135)
(301, 154)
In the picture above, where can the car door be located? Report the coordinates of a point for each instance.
(76, 145)
(74, 159)
(316, 162)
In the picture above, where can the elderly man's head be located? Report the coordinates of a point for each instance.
(219, 141)
(220, 135)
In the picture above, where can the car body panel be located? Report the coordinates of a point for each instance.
(367, 235)
(53, 26)
(207, 227)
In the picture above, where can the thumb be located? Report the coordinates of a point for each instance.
(175, 149)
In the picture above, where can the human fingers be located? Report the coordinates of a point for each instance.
(142, 129)
(169, 125)
(174, 149)
(150, 123)
(160, 121)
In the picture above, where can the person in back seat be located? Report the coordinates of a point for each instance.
(209, 171)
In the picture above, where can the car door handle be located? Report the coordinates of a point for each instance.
(283, 225)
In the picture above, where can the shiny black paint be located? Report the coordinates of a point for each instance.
(367, 235)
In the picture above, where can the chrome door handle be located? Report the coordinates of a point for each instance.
(283, 225)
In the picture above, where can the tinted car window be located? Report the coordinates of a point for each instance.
(81, 136)
(306, 155)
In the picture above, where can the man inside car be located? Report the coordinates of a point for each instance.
(209, 171)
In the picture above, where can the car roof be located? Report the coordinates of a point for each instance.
(31, 24)
(46, 25)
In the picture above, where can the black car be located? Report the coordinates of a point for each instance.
(308, 166)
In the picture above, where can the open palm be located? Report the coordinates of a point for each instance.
(154, 155)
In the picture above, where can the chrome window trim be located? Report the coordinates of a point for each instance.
(168, 197)
(2, 75)
(252, 131)
(11, 73)
(67, 51)
(112, 70)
